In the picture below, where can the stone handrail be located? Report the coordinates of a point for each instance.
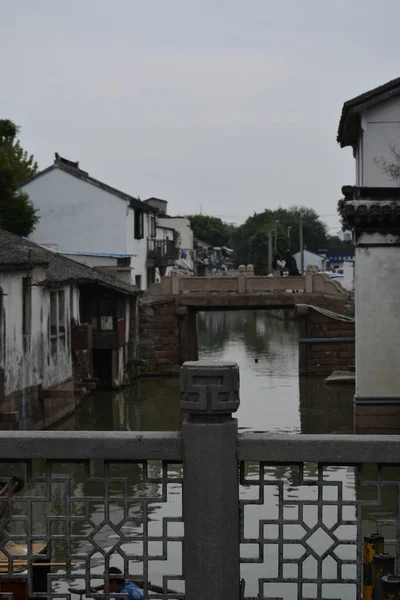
(246, 283)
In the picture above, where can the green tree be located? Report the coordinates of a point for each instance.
(211, 230)
(250, 240)
(17, 213)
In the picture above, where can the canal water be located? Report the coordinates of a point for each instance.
(273, 399)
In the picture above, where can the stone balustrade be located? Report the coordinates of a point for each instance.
(246, 283)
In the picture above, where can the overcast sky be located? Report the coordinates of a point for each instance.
(231, 106)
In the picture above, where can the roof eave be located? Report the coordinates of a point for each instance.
(349, 128)
(87, 281)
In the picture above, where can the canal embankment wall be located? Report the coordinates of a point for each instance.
(326, 338)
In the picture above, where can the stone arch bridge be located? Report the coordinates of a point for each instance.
(167, 310)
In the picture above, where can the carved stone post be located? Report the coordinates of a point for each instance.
(242, 280)
(209, 396)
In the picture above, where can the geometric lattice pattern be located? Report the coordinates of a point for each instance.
(302, 527)
(83, 517)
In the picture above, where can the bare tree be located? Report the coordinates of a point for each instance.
(390, 167)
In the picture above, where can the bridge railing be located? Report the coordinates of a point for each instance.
(284, 513)
(247, 283)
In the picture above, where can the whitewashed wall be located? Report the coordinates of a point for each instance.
(380, 129)
(76, 215)
(35, 365)
(80, 217)
(377, 295)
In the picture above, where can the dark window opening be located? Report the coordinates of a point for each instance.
(26, 306)
(139, 224)
(124, 261)
(57, 314)
(153, 231)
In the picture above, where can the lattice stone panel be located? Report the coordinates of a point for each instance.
(95, 514)
(302, 527)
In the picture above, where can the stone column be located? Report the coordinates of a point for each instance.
(374, 216)
(209, 396)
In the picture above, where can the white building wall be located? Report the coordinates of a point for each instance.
(380, 129)
(164, 233)
(310, 259)
(35, 364)
(377, 271)
(76, 215)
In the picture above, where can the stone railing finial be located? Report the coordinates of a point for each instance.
(250, 270)
(209, 388)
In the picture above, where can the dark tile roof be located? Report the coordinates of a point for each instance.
(72, 168)
(17, 252)
(350, 119)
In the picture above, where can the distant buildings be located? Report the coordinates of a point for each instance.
(183, 236)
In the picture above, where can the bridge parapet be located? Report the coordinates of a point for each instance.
(246, 283)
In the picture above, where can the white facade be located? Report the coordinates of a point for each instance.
(380, 129)
(77, 216)
(310, 259)
(40, 355)
(377, 318)
(185, 236)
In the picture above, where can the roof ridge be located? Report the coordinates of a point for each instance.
(75, 171)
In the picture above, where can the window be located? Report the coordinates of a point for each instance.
(139, 224)
(26, 306)
(138, 281)
(57, 314)
(124, 261)
(152, 226)
(107, 308)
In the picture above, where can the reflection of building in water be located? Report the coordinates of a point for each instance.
(325, 409)
(147, 405)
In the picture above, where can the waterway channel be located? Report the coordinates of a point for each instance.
(272, 399)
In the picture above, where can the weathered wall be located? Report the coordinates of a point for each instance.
(323, 358)
(28, 362)
(378, 323)
(34, 366)
(159, 343)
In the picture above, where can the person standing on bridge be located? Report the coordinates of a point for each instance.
(278, 266)
(291, 265)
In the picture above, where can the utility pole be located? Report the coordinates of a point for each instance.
(276, 237)
(301, 245)
(288, 236)
(269, 251)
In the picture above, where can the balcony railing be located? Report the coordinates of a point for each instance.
(285, 514)
(161, 252)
